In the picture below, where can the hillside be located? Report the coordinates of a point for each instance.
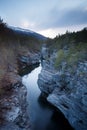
(16, 42)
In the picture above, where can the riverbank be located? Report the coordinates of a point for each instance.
(13, 103)
(16, 53)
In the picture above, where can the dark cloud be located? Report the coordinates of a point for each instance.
(46, 14)
(72, 17)
(63, 18)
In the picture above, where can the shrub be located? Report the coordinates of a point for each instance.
(60, 58)
(73, 55)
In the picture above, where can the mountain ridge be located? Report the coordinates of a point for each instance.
(28, 32)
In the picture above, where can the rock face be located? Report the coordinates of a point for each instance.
(13, 108)
(28, 62)
(13, 103)
(67, 90)
(29, 59)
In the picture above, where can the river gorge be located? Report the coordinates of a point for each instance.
(43, 81)
(43, 116)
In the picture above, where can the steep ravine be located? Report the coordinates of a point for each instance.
(65, 86)
(43, 116)
(66, 89)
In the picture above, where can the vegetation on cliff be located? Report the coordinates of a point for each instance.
(71, 48)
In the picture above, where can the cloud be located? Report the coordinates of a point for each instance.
(85, 9)
(72, 17)
(45, 16)
(53, 32)
(25, 23)
(64, 18)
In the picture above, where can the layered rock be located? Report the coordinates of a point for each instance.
(13, 106)
(28, 62)
(66, 89)
(29, 59)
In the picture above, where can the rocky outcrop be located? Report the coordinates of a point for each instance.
(13, 103)
(66, 89)
(29, 59)
(26, 63)
(13, 107)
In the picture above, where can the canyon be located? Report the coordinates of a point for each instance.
(63, 77)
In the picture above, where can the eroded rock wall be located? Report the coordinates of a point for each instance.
(66, 89)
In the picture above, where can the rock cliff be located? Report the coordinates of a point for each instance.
(66, 88)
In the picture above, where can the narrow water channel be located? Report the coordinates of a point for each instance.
(42, 115)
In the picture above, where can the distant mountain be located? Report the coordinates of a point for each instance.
(27, 32)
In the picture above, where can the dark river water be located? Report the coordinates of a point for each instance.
(42, 115)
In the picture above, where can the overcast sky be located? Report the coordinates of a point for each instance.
(48, 17)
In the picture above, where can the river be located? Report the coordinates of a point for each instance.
(42, 115)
